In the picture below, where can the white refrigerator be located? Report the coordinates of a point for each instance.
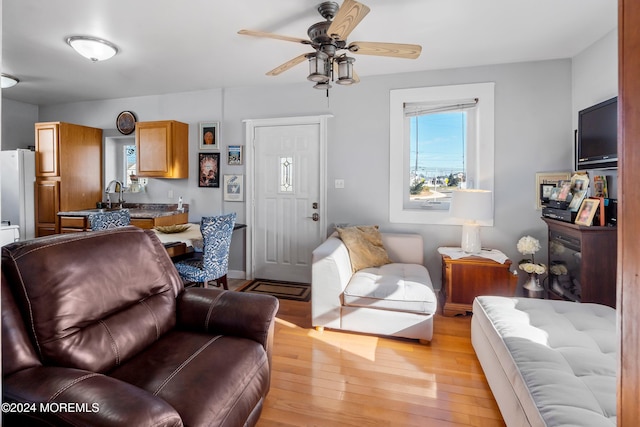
(18, 176)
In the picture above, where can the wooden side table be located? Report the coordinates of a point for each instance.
(463, 279)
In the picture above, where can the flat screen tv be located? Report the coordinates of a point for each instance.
(597, 142)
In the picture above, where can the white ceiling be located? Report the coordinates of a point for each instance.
(179, 46)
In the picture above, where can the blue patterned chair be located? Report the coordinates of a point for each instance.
(110, 219)
(212, 263)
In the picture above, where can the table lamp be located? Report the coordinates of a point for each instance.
(471, 206)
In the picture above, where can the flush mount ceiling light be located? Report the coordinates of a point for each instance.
(328, 38)
(8, 81)
(92, 48)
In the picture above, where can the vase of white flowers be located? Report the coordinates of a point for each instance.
(528, 245)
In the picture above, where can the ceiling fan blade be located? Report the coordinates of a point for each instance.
(273, 36)
(348, 17)
(289, 64)
(396, 50)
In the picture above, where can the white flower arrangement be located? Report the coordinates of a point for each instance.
(528, 245)
(531, 267)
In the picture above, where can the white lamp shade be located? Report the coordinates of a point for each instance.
(471, 206)
(92, 48)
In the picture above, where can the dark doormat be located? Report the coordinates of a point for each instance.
(283, 290)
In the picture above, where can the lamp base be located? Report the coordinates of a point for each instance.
(471, 238)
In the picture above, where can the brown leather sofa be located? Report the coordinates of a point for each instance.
(98, 330)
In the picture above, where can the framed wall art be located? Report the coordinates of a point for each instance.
(233, 188)
(234, 155)
(552, 178)
(209, 135)
(209, 170)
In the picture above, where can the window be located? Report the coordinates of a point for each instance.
(130, 165)
(441, 138)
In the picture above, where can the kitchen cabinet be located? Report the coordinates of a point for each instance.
(181, 218)
(162, 149)
(68, 172)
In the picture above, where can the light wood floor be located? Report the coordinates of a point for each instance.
(346, 379)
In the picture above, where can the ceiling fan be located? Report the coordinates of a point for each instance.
(329, 39)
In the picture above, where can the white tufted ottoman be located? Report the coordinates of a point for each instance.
(548, 363)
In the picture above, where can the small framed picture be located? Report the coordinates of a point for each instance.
(209, 170)
(209, 135)
(576, 202)
(579, 182)
(545, 192)
(233, 188)
(234, 155)
(548, 178)
(587, 211)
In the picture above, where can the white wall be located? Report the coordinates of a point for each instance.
(534, 119)
(17, 124)
(594, 78)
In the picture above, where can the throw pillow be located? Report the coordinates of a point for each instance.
(365, 247)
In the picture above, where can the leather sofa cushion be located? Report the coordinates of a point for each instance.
(81, 317)
(397, 287)
(202, 376)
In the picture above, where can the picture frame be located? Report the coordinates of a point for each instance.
(552, 178)
(545, 192)
(233, 187)
(577, 199)
(587, 211)
(209, 136)
(579, 182)
(209, 170)
(235, 155)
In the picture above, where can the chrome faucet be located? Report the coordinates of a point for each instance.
(114, 186)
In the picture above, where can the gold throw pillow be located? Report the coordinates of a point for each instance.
(364, 243)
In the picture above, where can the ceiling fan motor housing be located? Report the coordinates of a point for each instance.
(328, 9)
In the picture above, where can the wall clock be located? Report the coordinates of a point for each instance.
(126, 122)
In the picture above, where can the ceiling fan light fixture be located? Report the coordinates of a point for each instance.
(345, 70)
(92, 48)
(8, 81)
(318, 67)
(322, 85)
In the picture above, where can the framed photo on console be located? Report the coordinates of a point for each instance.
(587, 211)
(550, 179)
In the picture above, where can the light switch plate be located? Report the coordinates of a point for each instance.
(339, 183)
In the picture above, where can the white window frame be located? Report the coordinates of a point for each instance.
(480, 159)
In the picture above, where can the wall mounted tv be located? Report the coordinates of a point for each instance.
(597, 142)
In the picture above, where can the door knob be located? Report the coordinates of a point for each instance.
(315, 217)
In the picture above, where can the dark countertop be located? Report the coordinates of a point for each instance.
(137, 210)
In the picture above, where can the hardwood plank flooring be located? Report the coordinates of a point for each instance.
(336, 378)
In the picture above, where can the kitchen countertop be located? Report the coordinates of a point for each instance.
(137, 210)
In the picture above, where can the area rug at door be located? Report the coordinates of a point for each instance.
(284, 290)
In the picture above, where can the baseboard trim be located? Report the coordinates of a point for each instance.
(236, 274)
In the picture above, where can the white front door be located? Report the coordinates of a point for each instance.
(288, 214)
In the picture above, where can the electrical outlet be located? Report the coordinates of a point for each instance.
(339, 183)
(170, 194)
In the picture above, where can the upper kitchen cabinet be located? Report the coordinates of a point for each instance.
(68, 171)
(162, 149)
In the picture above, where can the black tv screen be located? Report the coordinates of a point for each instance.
(597, 145)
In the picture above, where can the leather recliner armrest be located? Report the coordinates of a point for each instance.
(229, 313)
(72, 397)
